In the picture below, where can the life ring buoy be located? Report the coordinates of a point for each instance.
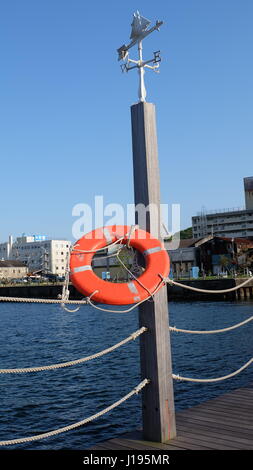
(124, 293)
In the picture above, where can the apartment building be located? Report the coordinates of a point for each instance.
(233, 223)
(37, 253)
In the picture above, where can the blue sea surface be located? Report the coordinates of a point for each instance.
(40, 334)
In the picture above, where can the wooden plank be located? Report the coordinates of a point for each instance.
(171, 445)
(230, 406)
(158, 411)
(137, 436)
(174, 444)
(189, 444)
(99, 447)
(239, 401)
(234, 394)
(219, 424)
(227, 408)
(242, 404)
(237, 398)
(212, 437)
(111, 445)
(233, 421)
(141, 445)
(195, 423)
(199, 443)
(222, 407)
(128, 444)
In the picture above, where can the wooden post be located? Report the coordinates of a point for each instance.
(158, 397)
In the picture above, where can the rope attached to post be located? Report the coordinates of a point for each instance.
(208, 332)
(132, 337)
(207, 291)
(219, 379)
(45, 435)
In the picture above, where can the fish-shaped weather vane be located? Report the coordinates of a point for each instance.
(139, 32)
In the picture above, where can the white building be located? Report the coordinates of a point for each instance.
(37, 253)
(233, 223)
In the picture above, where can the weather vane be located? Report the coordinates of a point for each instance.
(139, 32)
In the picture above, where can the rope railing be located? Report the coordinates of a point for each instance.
(126, 310)
(43, 301)
(218, 379)
(132, 337)
(208, 332)
(208, 291)
(87, 300)
(45, 435)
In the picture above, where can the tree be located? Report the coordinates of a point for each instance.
(186, 233)
(183, 234)
(225, 263)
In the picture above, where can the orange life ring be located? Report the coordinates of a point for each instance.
(124, 293)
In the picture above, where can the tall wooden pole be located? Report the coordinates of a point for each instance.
(158, 397)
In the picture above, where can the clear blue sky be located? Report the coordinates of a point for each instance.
(65, 107)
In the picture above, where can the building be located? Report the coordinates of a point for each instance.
(184, 258)
(37, 253)
(12, 269)
(212, 255)
(223, 254)
(233, 223)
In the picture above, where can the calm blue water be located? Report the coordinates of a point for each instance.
(33, 335)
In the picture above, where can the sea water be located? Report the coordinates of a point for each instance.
(40, 334)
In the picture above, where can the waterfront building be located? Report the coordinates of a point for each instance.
(37, 253)
(212, 255)
(184, 258)
(232, 223)
(12, 269)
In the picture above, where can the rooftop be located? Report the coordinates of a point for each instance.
(11, 264)
(204, 213)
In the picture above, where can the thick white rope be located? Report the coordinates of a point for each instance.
(208, 291)
(188, 379)
(132, 229)
(202, 332)
(128, 309)
(132, 337)
(45, 435)
(65, 287)
(79, 250)
(42, 301)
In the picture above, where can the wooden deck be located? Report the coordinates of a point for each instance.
(223, 423)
